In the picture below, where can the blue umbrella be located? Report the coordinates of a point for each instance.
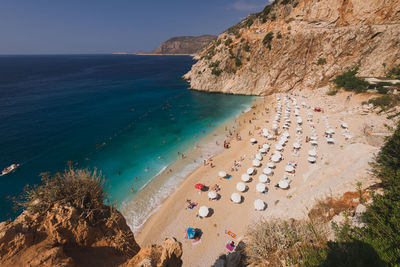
(190, 232)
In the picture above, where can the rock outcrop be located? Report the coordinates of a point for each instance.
(300, 43)
(61, 237)
(186, 45)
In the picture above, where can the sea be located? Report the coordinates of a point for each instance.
(127, 116)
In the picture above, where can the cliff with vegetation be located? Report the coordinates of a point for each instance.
(300, 43)
(184, 45)
(65, 223)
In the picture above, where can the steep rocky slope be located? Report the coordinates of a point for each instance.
(300, 43)
(62, 237)
(184, 45)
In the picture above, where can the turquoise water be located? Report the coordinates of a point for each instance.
(127, 116)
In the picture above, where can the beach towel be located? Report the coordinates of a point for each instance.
(229, 247)
(229, 177)
(231, 234)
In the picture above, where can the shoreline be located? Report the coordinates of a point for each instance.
(145, 203)
(330, 176)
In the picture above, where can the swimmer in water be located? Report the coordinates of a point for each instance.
(131, 190)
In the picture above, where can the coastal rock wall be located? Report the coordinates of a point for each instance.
(184, 45)
(62, 237)
(300, 44)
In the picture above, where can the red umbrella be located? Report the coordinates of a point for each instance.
(199, 186)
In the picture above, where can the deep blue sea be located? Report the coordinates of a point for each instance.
(122, 114)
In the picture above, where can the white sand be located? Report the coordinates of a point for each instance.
(337, 170)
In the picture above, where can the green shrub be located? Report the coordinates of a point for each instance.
(268, 39)
(81, 189)
(246, 47)
(321, 61)
(332, 92)
(394, 73)
(383, 102)
(218, 42)
(381, 87)
(214, 64)
(238, 62)
(349, 82)
(228, 41)
(216, 71)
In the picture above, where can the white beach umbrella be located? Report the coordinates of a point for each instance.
(250, 171)
(256, 163)
(330, 140)
(236, 198)
(289, 168)
(270, 137)
(296, 145)
(299, 129)
(278, 147)
(258, 156)
(265, 130)
(275, 158)
(303, 103)
(222, 174)
(245, 177)
(262, 150)
(260, 187)
(312, 153)
(263, 178)
(265, 134)
(267, 171)
(314, 138)
(271, 165)
(259, 204)
(265, 146)
(203, 211)
(240, 187)
(314, 143)
(253, 140)
(274, 126)
(345, 125)
(282, 143)
(212, 194)
(330, 131)
(283, 184)
(311, 159)
(299, 120)
(286, 134)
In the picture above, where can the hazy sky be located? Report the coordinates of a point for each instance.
(104, 26)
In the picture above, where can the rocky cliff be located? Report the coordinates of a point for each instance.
(62, 237)
(184, 45)
(300, 43)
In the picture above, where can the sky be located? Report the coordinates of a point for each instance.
(105, 26)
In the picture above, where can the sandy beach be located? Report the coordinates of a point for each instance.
(337, 169)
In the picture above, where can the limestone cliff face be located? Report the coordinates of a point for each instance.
(184, 45)
(300, 43)
(61, 237)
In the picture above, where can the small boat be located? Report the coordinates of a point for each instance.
(9, 169)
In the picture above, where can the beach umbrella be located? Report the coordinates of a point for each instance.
(312, 153)
(236, 198)
(267, 171)
(277, 153)
(222, 174)
(265, 134)
(199, 186)
(256, 163)
(259, 204)
(299, 129)
(278, 147)
(263, 150)
(253, 140)
(265, 146)
(265, 130)
(263, 178)
(283, 184)
(240, 187)
(270, 137)
(330, 140)
(314, 143)
(289, 168)
(330, 131)
(299, 120)
(212, 194)
(258, 156)
(345, 125)
(260, 187)
(245, 177)
(250, 171)
(314, 138)
(190, 232)
(271, 165)
(296, 145)
(286, 134)
(203, 211)
(275, 158)
(311, 159)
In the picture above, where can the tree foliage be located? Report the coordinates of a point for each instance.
(349, 82)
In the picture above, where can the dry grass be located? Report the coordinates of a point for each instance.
(272, 243)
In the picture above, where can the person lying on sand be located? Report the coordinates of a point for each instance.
(191, 204)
